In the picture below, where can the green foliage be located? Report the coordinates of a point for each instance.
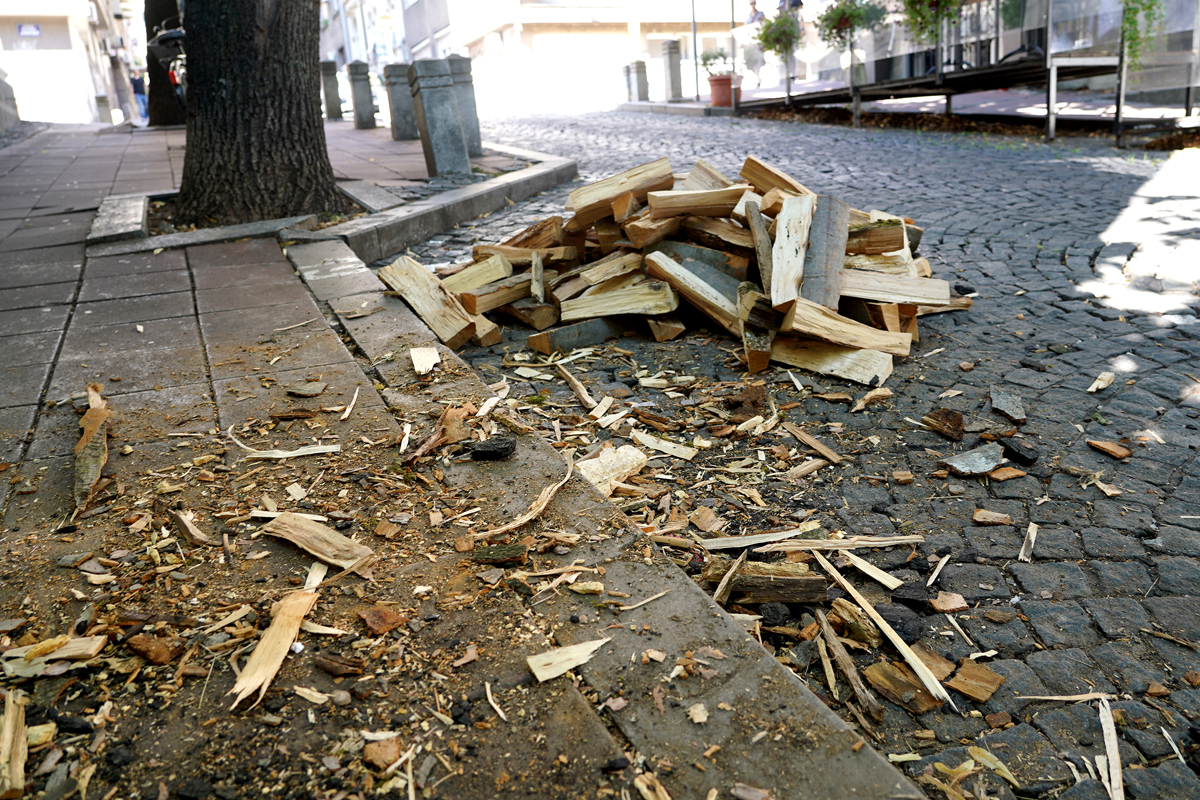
(715, 62)
(1012, 14)
(1138, 23)
(843, 19)
(780, 35)
(925, 17)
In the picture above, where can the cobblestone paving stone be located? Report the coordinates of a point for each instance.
(1039, 232)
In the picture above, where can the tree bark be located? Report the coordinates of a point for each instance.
(255, 136)
(164, 106)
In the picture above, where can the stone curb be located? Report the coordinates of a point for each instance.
(228, 233)
(676, 108)
(379, 234)
(120, 218)
(391, 231)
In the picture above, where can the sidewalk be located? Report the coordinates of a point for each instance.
(192, 342)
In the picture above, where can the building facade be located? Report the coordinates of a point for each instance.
(68, 60)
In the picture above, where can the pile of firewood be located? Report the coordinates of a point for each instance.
(802, 279)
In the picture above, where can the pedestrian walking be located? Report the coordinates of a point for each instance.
(755, 14)
(139, 94)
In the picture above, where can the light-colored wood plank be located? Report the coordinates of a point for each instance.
(665, 327)
(537, 278)
(719, 234)
(426, 295)
(14, 747)
(538, 316)
(739, 210)
(883, 288)
(610, 267)
(715, 304)
(274, 645)
(810, 319)
(764, 177)
(594, 201)
(424, 359)
(541, 234)
(702, 203)
(705, 176)
(549, 665)
(612, 466)
(643, 231)
(663, 445)
(791, 244)
(772, 202)
(652, 297)
(492, 268)
(318, 540)
(487, 333)
(868, 367)
(523, 256)
(501, 292)
(876, 238)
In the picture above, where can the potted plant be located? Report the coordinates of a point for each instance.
(781, 36)
(720, 77)
(842, 20)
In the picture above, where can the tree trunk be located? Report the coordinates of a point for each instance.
(255, 136)
(164, 107)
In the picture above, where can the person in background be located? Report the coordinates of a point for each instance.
(755, 14)
(139, 93)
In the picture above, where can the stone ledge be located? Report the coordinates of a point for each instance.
(687, 110)
(228, 233)
(379, 235)
(120, 218)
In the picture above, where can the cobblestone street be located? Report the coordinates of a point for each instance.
(1085, 260)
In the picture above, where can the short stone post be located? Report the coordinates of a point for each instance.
(436, 108)
(628, 72)
(360, 93)
(404, 118)
(329, 86)
(641, 84)
(672, 73)
(464, 94)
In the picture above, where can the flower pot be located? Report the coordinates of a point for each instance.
(720, 87)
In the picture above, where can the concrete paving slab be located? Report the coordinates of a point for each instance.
(139, 417)
(244, 275)
(134, 310)
(251, 325)
(119, 218)
(36, 296)
(255, 397)
(29, 348)
(231, 298)
(136, 285)
(135, 370)
(32, 320)
(290, 350)
(19, 385)
(83, 342)
(135, 263)
(38, 232)
(232, 254)
(15, 424)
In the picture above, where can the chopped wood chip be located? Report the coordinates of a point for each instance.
(549, 665)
